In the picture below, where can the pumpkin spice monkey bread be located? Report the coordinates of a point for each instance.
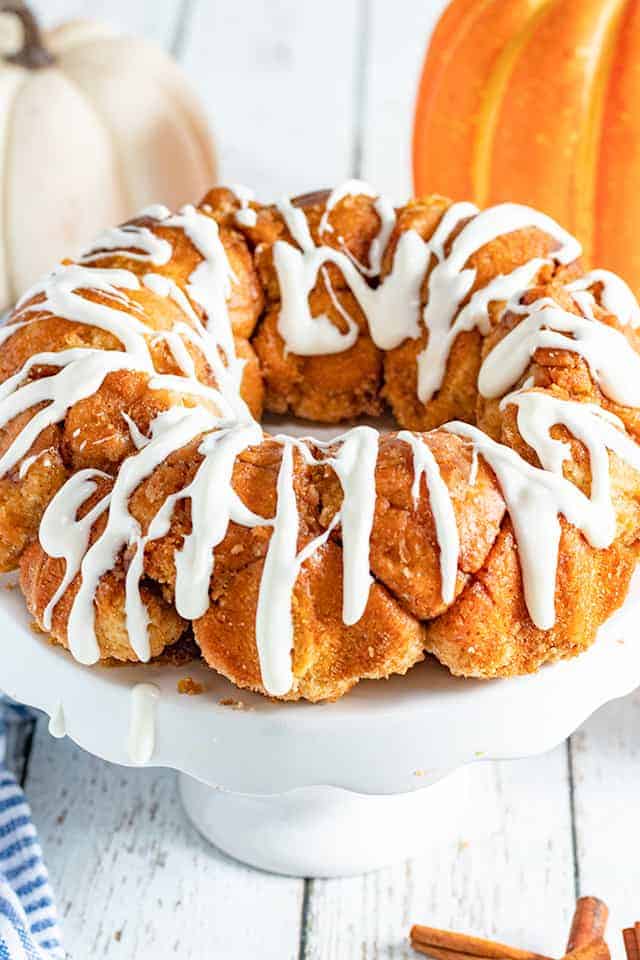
(496, 528)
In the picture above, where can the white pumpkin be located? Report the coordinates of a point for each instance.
(93, 127)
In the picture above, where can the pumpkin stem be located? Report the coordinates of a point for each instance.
(33, 54)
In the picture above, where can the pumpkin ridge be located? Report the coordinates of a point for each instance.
(589, 148)
(196, 122)
(492, 101)
(453, 78)
(125, 193)
(450, 31)
(616, 208)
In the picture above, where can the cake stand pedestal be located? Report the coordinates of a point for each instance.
(320, 790)
(323, 831)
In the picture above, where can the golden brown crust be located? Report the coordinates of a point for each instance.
(458, 394)
(404, 550)
(328, 656)
(328, 388)
(488, 631)
(41, 575)
(95, 433)
(324, 388)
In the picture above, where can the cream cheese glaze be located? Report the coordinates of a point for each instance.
(614, 364)
(536, 497)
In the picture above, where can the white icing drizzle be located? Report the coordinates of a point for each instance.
(355, 466)
(28, 462)
(536, 497)
(274, 625)
(8, 329)
(156, 211)
(178, 350)
(391, 309)
(433, 359)
(119, 239)
(613, 362)
(57, 724)
(245, 216)
(82, 372)
(62, 300)
(214, 504)
(142, 723)
(451, 281)
(354, 462)
(444, 518)
(274, 620)
(383, 207)
(170, 431)
(597, 428)
(616, 296)
(62, 535)
(209, 286)
(210, 283)
(81, 375)
(166, 287)
(349, 188)
(297, 274)
(138, 438)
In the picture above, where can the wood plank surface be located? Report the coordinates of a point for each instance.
(158, 21)
(278, 83)
(132, 877)
(606, 761)
(397, 35)
(509, 846)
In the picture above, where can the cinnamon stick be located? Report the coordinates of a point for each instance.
(447, 945)
(631, 937)
(439, 953)
(596, 950)
(589, 923)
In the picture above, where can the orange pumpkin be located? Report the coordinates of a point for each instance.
(538, 101)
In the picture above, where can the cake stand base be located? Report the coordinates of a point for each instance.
(323, 831)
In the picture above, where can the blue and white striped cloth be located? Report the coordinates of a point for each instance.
(29, 927)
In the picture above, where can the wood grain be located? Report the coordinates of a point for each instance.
(479, 877)
(607, 801)
(278, 83)
(396, 42)
(134, 879)
(158, 21)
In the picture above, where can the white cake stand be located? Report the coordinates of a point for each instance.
(322, 790)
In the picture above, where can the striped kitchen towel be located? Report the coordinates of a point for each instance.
(28, 921)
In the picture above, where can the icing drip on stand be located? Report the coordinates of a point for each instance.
(142, 724)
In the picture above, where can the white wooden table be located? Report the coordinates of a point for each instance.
(302, 95)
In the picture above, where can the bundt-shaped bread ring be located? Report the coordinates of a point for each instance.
(144, 504)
